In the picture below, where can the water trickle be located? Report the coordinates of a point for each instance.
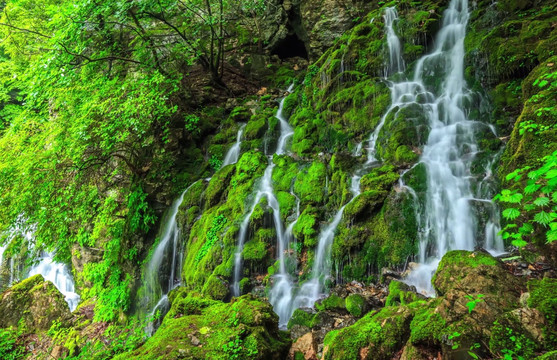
(286, 130)
(163, 271)
(265, 189)
(60, 276)
(234, 153)
(282, 290)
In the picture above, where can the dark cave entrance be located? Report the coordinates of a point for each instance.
(289, 47)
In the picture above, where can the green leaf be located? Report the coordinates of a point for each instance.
(542, 218)
(551, 236)
(519, 243)
(511, 213)
(526, 229)
(532, 188)
(541, 201)
(551, 174)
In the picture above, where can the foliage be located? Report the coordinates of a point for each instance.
(532, 206)
(212, 236)
(10, 347)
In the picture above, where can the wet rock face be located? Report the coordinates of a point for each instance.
(35, 302)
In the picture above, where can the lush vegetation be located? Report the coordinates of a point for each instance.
(109, 110)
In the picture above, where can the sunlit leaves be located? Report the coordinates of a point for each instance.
(533, 203)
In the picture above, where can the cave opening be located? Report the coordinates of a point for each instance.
(289, 47)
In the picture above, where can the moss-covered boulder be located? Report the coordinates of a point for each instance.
(200, 328)
(32, 304)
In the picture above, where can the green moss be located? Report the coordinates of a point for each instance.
(381, 178)
(300, 317)
(240, 114)
(215, 288)
(305, 229)
(284, 172)
(332, 302)
(287, 203)
(364, 205)
(385, 331)
(427, 328)
(216, 190)
(400, 294)
(255, 128)
(355, 304)
(543, 296)
(244, 329)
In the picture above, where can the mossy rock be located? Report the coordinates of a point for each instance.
(331, 303)
(303, 318)
(218, 185)
(216, 288)
(305, 229)
(310, 184)
(255, 128)
(364, 205)
(472, 271)
(32, 304)
(543, 296)
(401, 294)
(379, 334)
(378, 179)
(284, 172)
(240, 114)
(356, 305)
(246, 328)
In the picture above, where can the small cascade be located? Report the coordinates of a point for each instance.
(399, 91)
(234, 153)
(314, 289)
(282, 290)
(57, 273)
(286, 130)
(265, 189)
(163, 271)
(60, 276)
(447, 220)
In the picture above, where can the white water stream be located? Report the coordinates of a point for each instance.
(234, 153)
(266, 189)
(448, 221)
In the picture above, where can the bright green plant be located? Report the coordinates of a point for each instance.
(471, 305)
(10, 347)
(212, 236)
(531, 207)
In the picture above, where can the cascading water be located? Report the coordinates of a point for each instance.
(234, 153)
(52, 271)
(313, 289)
(281, 292)
(60, 276)
(265, 189)
(447, 219)
(286, 130)
(159, 281)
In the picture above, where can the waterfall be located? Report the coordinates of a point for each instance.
(447, 220)
(265, 189)
(234, 153)
(158, 280)
(281, 292)
(286, 130)
(57, 273)
(313, 289)
(60, 276)
(399, 91)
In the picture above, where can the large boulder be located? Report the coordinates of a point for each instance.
(33, 304)
(201, 328)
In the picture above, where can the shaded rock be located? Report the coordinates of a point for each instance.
(35, 302)
(305, 345)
